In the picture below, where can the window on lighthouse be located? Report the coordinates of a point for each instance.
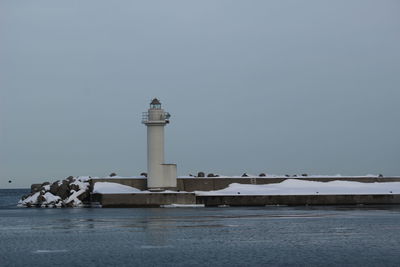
(155, 104)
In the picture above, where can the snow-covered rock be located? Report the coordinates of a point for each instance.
(70, 192)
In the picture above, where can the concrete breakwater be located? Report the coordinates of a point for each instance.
(45, 194)
(184, 194)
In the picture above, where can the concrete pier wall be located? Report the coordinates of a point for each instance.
(158, 199)
(298, 200)
(143, 199)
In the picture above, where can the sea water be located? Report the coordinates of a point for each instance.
(276, 236)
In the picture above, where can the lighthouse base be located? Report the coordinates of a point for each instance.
(166, 180)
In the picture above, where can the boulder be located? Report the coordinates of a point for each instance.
(63, 190)
(113, 174)
(84, 196)
(35, 188)
(142, 174)
(54, 188)
(69, 204)
(245, 175)
(262, 175)
(44, 184)
(40, 199)
(200, 174)
(304, 175)
(74, 187)
(210, 175)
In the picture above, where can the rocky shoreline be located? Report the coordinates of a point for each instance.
(70, 192)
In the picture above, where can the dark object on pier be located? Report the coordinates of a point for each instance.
(143, 174)
(304, 175)
(294, 175)
(113, 174)
(210, 175)
(201, 174)
(287, 175)
(245, 175)
(262, 175)
(380, 176)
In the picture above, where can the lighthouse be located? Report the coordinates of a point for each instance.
(160, 176)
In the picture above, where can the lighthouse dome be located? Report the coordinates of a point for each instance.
(155, 104)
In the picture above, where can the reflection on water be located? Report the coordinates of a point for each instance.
(50, 251)
(155, 247)
(148, 221)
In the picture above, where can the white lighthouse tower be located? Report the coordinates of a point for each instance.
(160, 176)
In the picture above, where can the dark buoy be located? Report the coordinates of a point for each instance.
(9, 181)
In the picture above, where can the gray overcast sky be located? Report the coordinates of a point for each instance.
(253, 86)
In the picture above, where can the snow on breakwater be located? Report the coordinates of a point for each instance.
(301, 187)
(287, 187)
(113, 188)
(66, 193)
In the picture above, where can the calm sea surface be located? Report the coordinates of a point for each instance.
(276, 236)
